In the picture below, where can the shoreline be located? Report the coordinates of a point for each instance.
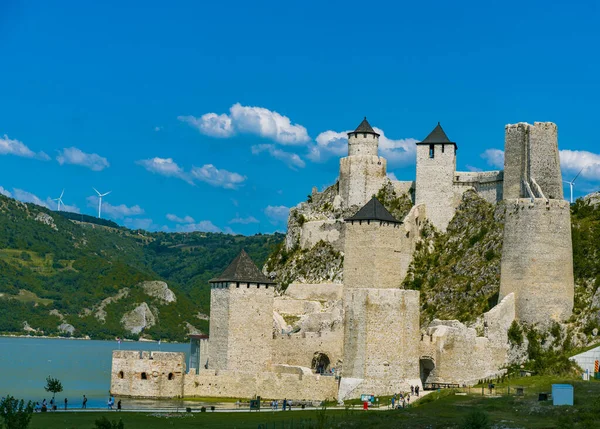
(86, 338)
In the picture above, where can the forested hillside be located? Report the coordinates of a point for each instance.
(49, 263)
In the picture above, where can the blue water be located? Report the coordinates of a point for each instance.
(83, 367)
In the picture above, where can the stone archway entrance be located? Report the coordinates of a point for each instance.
(426, 365)
(320, 362)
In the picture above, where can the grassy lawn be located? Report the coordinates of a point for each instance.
(443, 409)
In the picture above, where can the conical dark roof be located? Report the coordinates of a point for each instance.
(374, 210)
(242, 269)
(437, 136)
(364, 127)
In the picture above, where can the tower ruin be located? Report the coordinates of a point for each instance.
(241, 318)
(363, 171)
(537, 253)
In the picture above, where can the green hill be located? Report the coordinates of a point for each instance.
(68, 265)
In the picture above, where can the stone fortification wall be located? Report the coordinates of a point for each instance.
(372, 256)
(537, 259)
(435, 183)
(363, 144)
(331, 231)
(147, 374)
(300, 349)
(404, 187)
(531, 152)
(361, 177)
(488, 184)
(276, 384)
(318, 292)
(241, 326)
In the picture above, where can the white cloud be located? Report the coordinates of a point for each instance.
(252, 120)
(494, 157)
(158, 129)
(329, 143)
(215, 177)
(211, 124)
(139, 223)
(15, 147)
(116, 212)
(177, 219)
(473, 169)
(203, 226)
(574, 161)
(292, 160)
(277, 214)
(28, 197)
(392, 176)
(244, 220)
(164, 167)
(5, 192)
(73, 155)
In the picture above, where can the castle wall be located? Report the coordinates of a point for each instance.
(537, 259)
(316, 292)
(544, 162)
(362, 144)
(276, 384)
(404, 187)
(164, 373)
(299, 349)
(241, 326)
(515, 156)
(361, 177)
(488, 184)
(435, 183)
(330, 231)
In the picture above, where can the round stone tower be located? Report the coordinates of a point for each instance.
(363, 171)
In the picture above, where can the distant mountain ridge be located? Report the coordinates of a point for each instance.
(57, 269)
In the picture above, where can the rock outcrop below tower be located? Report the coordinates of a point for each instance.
(537, 254)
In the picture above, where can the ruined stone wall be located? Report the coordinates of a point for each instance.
(331, 231)
(241, 326)
(404, 187)
(318, 292)
(435, 183)
(488, 184)
(537, 259)
(361, 177)
(276, 384)
(147, 374)
(372, 256)
(299, 349)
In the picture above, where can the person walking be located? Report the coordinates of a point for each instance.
(119, 405)
(66, 401)
(417, 390)
(84, 404)
(412, 390)
(284, 404)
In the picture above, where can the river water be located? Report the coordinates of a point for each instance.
(82, 366)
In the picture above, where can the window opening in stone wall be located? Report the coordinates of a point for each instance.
(144, 376)
(170, 376)
(121, 375)
(365, 135)
(320, 363)
(431, 151)
(443, 147)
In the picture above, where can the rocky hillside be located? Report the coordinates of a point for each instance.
(64, 276)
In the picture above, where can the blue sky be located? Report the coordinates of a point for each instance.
(221, 115)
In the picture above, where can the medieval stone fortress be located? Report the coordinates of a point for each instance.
(363, 335)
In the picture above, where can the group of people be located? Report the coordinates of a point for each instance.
(44, 406)
(402, 400)
(287, 404)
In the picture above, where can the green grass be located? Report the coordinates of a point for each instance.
(27, 296)
(443, 409)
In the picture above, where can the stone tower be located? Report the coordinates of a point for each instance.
(380, 346)
(363, 171)
(241, 318)
(537, 253)
(436, 164)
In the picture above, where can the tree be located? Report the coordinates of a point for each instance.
(15, 413)
(53, 385)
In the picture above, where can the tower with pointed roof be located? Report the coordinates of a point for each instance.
(241, 318)
(436, 166)
(363, 171)
(380, 346)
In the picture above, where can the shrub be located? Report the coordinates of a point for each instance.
(104, 423)
(515, 334)
(476, 419)
(15, 413)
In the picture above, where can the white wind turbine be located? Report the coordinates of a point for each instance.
(59, 199)
(100, 201)
(572, 183)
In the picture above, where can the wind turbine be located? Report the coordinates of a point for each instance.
(100, 201)
(572, 182)
(59, 199)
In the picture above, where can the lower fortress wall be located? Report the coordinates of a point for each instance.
(299, 349)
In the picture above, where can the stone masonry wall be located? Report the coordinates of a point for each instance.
(488, 184)
(330, 231)
(267, 385)
(435, 183)
(147, 374)
(361, 177)
(537, 259)
(241, 326)
(363, 144)
(299, 349)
